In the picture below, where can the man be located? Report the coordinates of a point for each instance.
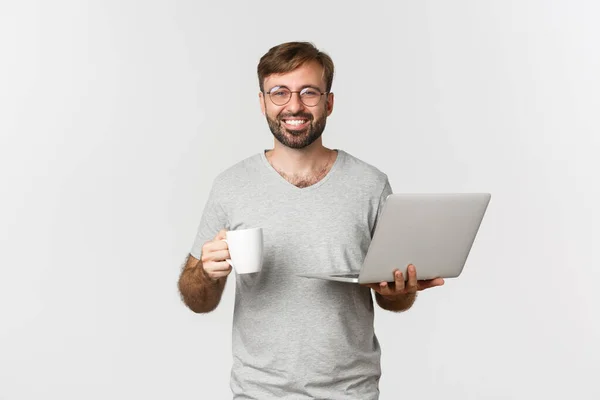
(298, 338)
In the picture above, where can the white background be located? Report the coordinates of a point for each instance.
(116, 116)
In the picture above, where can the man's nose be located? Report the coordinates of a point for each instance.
(295, 105)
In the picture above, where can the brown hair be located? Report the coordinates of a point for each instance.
(286, 57)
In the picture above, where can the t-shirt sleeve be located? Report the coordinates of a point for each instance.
(214, 218)
(387, 190)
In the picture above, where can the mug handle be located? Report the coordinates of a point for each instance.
(228, 260)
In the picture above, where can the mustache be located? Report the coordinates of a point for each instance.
(299, 116)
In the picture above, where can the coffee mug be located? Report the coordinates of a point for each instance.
(245, 249)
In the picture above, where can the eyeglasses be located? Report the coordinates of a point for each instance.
(309, 96)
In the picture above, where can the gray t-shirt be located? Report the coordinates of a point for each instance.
(299, 338)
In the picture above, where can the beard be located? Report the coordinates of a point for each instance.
(297, 139)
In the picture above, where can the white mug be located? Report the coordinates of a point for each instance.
(245, 249)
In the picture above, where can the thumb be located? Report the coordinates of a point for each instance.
(221, 235)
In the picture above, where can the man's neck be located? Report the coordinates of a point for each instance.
(302, 167)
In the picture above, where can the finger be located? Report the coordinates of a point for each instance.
(219, 274)
(217, 266)
(216, 255)
(412, 278)
(381, 288)
(398, 281)
(221, 235)
(438, 282)
(429, 283)
(215, 245)
(425, 285)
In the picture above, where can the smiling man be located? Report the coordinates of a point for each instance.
(297, 338)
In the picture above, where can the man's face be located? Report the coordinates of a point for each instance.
(295, 124)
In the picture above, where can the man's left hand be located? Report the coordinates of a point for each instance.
(400, 287)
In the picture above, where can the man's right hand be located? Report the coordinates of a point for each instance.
(214, 254)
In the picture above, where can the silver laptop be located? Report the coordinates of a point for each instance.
(434, 232)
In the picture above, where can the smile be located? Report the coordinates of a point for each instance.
(295, 123)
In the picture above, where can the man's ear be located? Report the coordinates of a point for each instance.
(261, 99)
(329, 103)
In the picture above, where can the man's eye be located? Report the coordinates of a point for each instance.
(310, 93)
(279, 93)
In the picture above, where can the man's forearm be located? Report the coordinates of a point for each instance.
(198, 291)
(399, 304)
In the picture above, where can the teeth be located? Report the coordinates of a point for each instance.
(295, 121)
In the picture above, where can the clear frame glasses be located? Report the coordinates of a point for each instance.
(309, 96)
